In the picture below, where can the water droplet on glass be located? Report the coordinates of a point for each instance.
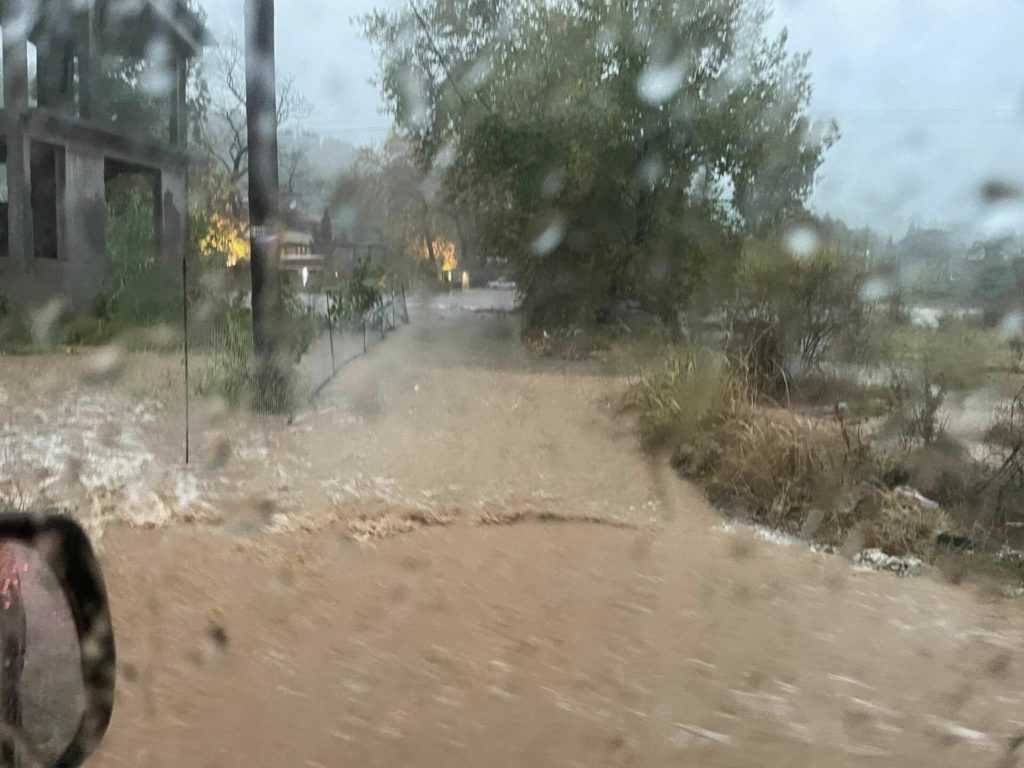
(44, 321)
(550, 238)
(997, 190)
(416, 101)
(105, 365)
(1001, 218)
(477, 73)
(660, 81)
(651, 171)
(1011, 325)
(158, 75)
(553, 183)
(876, 289)
(802, 242)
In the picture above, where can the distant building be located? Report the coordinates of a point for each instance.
(996, 249)
(929, 257)
(60, 146)
(297, 256)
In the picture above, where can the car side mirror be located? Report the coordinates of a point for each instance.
(57, 660)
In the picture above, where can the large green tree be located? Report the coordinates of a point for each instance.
(608, 148)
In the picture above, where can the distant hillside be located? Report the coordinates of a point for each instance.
(329, 156)
(311, 164)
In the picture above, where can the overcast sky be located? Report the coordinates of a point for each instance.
(929, 95)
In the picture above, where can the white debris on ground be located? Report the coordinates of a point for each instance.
(914, 495)
(868, 559)
(88, 457)
(877, 560)
(773, 536)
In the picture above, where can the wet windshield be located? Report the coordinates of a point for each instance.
(527, 382)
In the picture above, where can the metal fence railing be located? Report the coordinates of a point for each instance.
(221, 351)
(338, 345)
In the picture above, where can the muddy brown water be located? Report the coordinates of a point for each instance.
(605, 619)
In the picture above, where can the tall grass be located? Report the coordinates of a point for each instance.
(674, 396)
(227, 368)
(819, 478)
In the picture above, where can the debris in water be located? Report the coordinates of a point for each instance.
(877, 560)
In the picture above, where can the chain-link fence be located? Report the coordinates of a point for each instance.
(341, 340)
(326, 324)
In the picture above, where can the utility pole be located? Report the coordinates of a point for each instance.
(272, 381)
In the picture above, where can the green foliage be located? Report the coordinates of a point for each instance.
(672, 398)
(1016, 347)
(957, 351)
(996, 286)
(142, 288)
(301, 323)
(358, 295)
(803, 476)
(387, 200)
(227, 370)
(223, 338)
(914, 405)
(15, 333)
(123, 94)
(593, 142)
(791, 312)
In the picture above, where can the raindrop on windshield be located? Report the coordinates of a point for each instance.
(660, 81)
(802, 242)
(550, 238)
(876, 289)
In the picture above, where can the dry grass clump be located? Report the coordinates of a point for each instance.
(806, 477)
(672, 399)
(812, 477)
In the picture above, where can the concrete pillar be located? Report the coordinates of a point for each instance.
(15, 73)
(173, 232)
(86, 268)
(54, 74)
(179, 109)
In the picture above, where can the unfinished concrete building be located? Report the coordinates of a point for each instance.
(77, 75)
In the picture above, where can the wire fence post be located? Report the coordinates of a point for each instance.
(188, 393)
(383, 320)
(330, 335)
(364, 334)
(405, 306)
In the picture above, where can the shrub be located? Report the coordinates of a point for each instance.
(142, 287)
(1016, 346)
(791, 312)
(806, 477)
(818, 478)
(227, 371)
(232, 371)
(358, 295)
(915, 404)
(87, 331)
(15, 332)
(300, 322)
(957, 351)
(672, 398)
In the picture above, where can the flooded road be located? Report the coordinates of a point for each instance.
(463, 559)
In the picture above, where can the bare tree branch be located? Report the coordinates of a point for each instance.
(226, 139)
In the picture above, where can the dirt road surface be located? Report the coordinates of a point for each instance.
(460, 558)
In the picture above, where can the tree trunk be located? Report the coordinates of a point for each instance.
(272, 388)
(465, 257)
